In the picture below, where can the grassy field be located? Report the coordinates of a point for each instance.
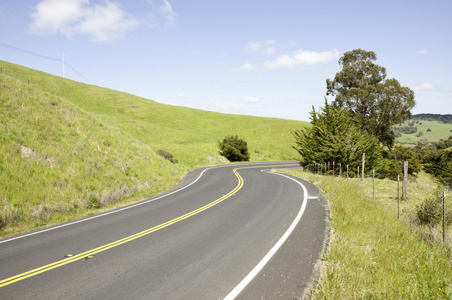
(427, 131)
(69, 149)
(190, 135)
(375, 255)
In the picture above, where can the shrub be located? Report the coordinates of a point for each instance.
(234, 149)
(431, 211)
(167, 156)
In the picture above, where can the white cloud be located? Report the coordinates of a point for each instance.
(302, 57)
(245, 67)
(102, 22)
(168, 13)
(270, 50)
(105, 23)
(250, 99)
(423, 86)
(253, 46)
(423, 52)
(52, 16)
(264, 47)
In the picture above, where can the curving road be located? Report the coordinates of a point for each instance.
(226, 232)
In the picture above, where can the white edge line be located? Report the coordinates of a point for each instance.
(106, 213)
(116, 210)
(239, 288)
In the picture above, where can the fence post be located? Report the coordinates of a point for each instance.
(405, 180)
(347, 171)
(373, 184)
(444, 217)
(398, 196)
(362, 171)
(358, 173)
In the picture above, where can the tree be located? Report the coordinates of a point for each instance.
(394, 158)
(336, 137)
(439, 163)
(377, 103)
(234, 149)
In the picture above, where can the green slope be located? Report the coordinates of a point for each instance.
(68, 148)
(178, 130)
(419, 130)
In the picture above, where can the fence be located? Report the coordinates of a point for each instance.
(338, 170)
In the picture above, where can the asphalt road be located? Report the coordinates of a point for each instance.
(232, 231)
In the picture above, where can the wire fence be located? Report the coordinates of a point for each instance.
(438, 233)
(17, 49)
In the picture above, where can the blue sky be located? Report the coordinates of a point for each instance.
(263, 58)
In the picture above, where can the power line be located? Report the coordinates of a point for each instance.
(45, 57)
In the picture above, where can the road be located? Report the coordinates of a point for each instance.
(234, 231)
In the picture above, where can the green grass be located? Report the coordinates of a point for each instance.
(91, 147)
(181, 131)
(431, 131)
(375, 255)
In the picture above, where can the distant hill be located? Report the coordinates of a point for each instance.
(434, 117)
(424, 128)
(67, 147)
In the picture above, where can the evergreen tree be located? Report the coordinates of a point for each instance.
(336, 137)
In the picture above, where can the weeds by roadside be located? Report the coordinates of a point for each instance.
(375, 254)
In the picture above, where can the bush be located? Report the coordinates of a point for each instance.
(167, 156)
(234, 149)
(431, 211)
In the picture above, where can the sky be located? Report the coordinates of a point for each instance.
(267, 58)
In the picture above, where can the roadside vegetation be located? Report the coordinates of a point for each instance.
(59, 162)
(377, 251)
(69, 149)
(373, 254)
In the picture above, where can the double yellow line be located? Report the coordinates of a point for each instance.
(92, 252)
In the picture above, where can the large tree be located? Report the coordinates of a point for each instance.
(377, 103)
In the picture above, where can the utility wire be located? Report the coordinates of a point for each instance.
(45, 57)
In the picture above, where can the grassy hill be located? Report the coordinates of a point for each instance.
(422, 128)
(69, 149)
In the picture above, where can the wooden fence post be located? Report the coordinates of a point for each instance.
(362, 170)
(405, 180)
(398, 196)
(444, 217)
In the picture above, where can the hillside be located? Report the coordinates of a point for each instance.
(423, 128)
(68, 149)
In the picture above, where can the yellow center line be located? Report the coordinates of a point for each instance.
(105, 247)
